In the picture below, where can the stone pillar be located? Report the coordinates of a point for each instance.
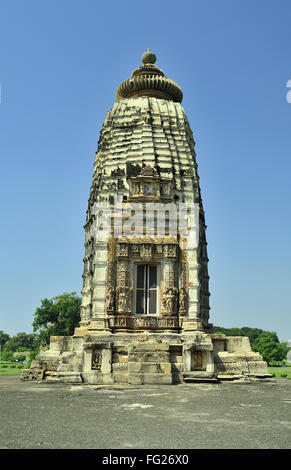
(99, 320)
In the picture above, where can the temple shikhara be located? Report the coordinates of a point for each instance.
(145, 297)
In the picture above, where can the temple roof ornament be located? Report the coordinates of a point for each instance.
(149, 80)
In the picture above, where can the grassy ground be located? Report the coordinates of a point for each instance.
(11, 370)
(280, 370)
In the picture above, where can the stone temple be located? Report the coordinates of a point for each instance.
(145, 297)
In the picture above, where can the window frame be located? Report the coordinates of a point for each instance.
(147, 265)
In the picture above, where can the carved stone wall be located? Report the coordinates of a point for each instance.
(145, 155)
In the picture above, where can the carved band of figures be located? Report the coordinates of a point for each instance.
(144, 322)
(146, 251)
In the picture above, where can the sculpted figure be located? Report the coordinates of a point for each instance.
(110, 298)
(170, 300)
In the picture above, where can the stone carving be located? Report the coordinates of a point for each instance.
(32, 374)
(170, 300)
(183, 301)
(96, 360)
(145, 322)
(148, 171)
(122, 270)
(183, 292)
(51, 366)
(124, 299)
(170, 251)
(146, 252)
(110, 299)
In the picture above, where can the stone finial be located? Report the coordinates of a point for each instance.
(149, 80)
(149, 57)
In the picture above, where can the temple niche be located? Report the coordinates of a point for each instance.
(145, 297)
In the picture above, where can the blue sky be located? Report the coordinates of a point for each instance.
(60, 64)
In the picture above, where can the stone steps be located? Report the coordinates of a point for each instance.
(149, 363)
(199, 377)
(64, 377)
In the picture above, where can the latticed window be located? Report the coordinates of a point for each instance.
(147, 281)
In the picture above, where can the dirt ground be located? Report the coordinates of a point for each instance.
(200, 416)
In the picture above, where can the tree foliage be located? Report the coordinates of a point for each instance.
(264, 342)
(20, 357)
(251, 333)
(22, 341)
(4, 337)
(7, 356)
(57, 316)
(270, 349)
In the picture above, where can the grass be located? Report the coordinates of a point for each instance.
(280, 370)
(11, 370)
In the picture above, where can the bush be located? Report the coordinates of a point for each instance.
(283, 375)
(4, 366)
(12, 366)
(7, 356)
(20, 357)
(32, 355)
(275, 364)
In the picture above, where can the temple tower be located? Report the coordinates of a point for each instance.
(145, 279)
(145, 297)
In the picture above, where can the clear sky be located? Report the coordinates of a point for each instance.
(60, 64)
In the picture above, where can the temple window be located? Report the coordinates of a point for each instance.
(147, 280)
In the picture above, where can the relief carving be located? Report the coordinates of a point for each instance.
(170, 301)
(147, 322)
(96, 360)
(183, 293)
(183, 301)
(124, 299)
(146, 252)
(110, 298)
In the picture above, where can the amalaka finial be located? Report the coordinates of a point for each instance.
(149, 57)
(149, 80)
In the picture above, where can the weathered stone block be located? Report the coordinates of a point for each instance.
(165, 367)
(135, 379)
(135, 367)
(149, 346)
(92, 378)
(156, 357)
(162, 379)
(120, 378)
(237, 344)
(70, 377)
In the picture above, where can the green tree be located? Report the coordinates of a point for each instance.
(251, 333)
(7, 356)
(267, 344)
(4, 337)
(57, 316)
(22, 341)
